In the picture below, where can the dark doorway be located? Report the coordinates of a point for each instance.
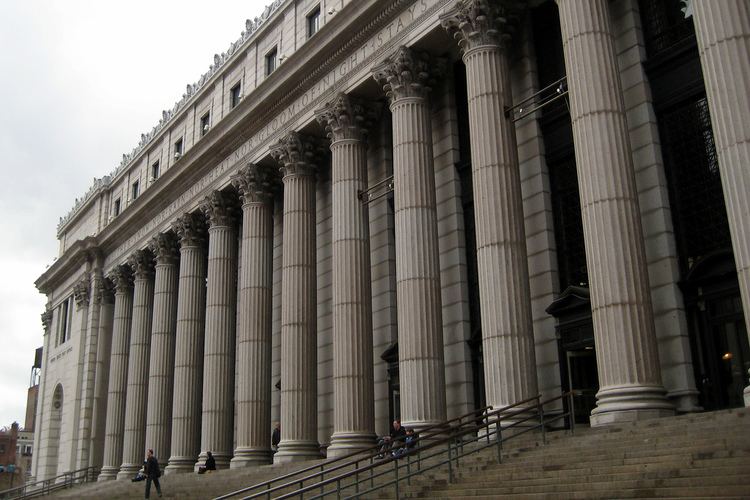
(390, 356)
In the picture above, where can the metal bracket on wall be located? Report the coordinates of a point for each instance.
(536, 101)
(377, 190)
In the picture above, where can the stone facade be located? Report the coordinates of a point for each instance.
(374, 223)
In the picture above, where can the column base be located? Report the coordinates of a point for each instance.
(180, 465)
(685, 401)
(630, 403)
(248, 457)
(344, 443)
(128, 471)
(221, 458)
(746, 395)
(297, 451)
(108, 473)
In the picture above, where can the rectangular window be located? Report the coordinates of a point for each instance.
(116, 210)
(234, 95)
(136, 192)
(155, 170)
(178, 149)
(271, 61)
(205, 123)
(65, 314)
(313, 22)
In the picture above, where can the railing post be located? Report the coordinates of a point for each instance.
(450, 464)
(408, 468)
(540, 409)
(372, 474)
(322, 478)
(395, 465)
(571, 414)
(498, 440)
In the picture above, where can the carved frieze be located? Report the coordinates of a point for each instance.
(475, 23)
(255, 184)
(346, 118)
(298, 154)
(219, 208)
(408, 73)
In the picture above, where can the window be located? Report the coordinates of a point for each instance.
(234, 95)
(155, 170)
(271, 61)
(117, 207)
(64, 321)
(205, 121)
(313, 22)
(136, 186)
(178, 149)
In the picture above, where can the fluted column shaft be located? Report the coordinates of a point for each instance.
(627, 357)
(723, 31)
(217, 421)
(163, 327)
(89, 374)
(103, 349)
(188, 365)
(253, 356)
(118, 375)
(134, 439)
(420, 325)
(505, 299)
(299, 409)
(353, 386)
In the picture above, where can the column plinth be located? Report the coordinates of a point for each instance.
(627, 357)
(118, 373)
(134, 436)
(253, 355)
(217, 418)
(161, 370)
(188, 364)
(299, 406)
(406, 80)
(353, 385)
(505, 299)
(723, 33)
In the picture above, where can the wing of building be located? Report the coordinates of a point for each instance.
(407, 209)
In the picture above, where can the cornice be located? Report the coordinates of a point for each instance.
(81, 252)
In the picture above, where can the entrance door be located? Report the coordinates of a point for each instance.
(583, 381)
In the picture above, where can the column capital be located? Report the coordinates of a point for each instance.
(219, 208)
(408, 73)
(255, 184)
(298, 154)
(165, 248)
(105, 291)
(142, 262)
(82, 291)
(122, 277)
(190, 229)
(346, 117)
(47, 320)
(475, 23)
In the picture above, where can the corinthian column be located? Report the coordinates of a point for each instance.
(221, 319)
(188, 365)
(481, 28)
(105, 292)
(140, 347)
(405, 77)
(723, 30)
(161, 372)
(299, 409)
(118, 372)
(353, 400)
(253, 400)
(89, 370)
(630, 384)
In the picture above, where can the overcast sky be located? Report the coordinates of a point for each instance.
(80, 80)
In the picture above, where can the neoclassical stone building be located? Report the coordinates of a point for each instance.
(380, 209)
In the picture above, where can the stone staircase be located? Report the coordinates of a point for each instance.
(700, 455)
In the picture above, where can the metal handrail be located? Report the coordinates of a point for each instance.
(373, 452)
(515, 416)
(46, 486)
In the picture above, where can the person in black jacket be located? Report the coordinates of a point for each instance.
(395, 438)
(152, 473)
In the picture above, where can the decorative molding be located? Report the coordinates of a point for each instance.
(255, 184)
(165, 248)
(346, 117)
(190, 229)
(47, 320)
(475, 23)
(408, 73)
(105, 291)
(142, 262)
(82, 291)
(298, 154)
(122, 277)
